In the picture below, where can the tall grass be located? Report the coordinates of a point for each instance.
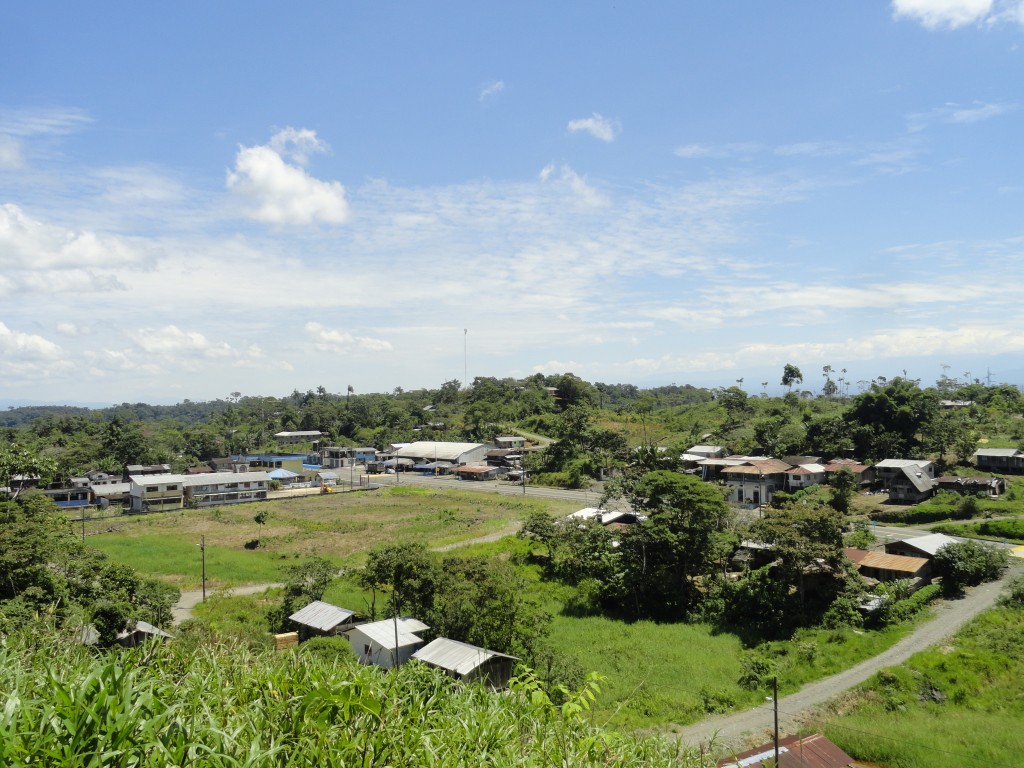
(181, 706)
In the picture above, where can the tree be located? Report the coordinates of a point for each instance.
(664, 559)
(260, 518)
(791, 375)
(303, 584)
(968, 563)
(18, 465)
(844, 485)
(735, 402)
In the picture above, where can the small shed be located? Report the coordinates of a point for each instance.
(468, 663)
(388, 643)
(320, 619)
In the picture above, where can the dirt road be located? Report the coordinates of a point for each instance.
(755, 725)
(189, 600)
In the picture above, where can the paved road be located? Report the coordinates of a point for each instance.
(189, 600)
(755, 725)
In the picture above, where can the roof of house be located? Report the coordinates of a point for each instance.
(930, 543)
(322, 616)
(1007, 452)
(901, 463)
(163, 478)
(759, 466)
(282, 474)
(436, 449)
(851, 464)
(227, 477)
(110, 489)
(813, 751)
(706, 449)
(383, 632)
(304, 433)
(807, 469)
(451, 655)
(900, 563)
(473, 470)
(917, 477)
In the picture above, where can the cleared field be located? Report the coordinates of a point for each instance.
(341, 527)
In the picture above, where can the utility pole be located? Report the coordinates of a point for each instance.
(465, 358)
(202, 549)
(775, 702)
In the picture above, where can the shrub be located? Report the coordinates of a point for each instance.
(967, 563)
(755, 670)
(1014, 596)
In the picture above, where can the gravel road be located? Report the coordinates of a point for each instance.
(755, 725)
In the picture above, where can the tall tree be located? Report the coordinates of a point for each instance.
(791, 375)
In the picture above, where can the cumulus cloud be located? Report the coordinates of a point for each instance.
(26, 346)
(26, 242)
(597, 126)
(952, 14)
(491, 90)
(342, 342)
(283, 193)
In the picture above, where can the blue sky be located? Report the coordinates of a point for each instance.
(202, 198)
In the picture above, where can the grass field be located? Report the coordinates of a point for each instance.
(341, 527)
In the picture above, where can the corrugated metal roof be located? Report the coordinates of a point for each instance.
(322, 616)
(813, 751)
(931, 543)
(881, 560)
(383, 632)
(431, 449)
(451, 655)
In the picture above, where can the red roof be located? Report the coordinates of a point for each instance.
(813, 751)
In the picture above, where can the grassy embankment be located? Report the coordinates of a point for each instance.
(952, 706)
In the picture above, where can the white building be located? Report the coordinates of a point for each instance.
(388, 643)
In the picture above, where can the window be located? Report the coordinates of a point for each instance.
(172, 487)
(151, 489)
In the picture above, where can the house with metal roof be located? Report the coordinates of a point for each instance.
(468, 663)
(320, 619)
(999, 459)
(388, 643)
(755, 479)
(291, 438)
(920, 546)
(911, 484)
(804, 476)
(881, 566)
(437, 450)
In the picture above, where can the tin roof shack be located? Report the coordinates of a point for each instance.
(130, 638)
(388, 643)
(468, 663)
(992, 487)
(920, 546)
(813, 751)
(478, 472)
(320, 619)
(884, 567)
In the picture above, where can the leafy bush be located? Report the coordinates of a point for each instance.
(967, 563)
(755, 670)
(1014, 596)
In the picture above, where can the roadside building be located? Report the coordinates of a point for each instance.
(920, 546)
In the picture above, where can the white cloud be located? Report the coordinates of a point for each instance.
(30, 243)
(566, 178)
(597, 126)
(26, 346)
(284, 194)
(978, 113)
(71, 329)
(10, 154)
(491, 90)
(342, 342)
(40, 122)
(952, 14)
(719, 152)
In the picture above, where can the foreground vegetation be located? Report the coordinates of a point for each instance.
(951, 706)
(192, 705)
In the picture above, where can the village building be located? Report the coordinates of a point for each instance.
(388, 643)
(920, 546)
(880, 566)
(320, 619)
(468, 663)
(999, 460)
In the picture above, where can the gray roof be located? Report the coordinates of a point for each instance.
(998, 452)
(430, 449)
(460, 658)
(383, 632)
(931, 543)
(215, 478)
(901, 463)
(917, 477)
(322, 616)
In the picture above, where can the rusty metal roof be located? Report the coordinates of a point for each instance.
(813, 751)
